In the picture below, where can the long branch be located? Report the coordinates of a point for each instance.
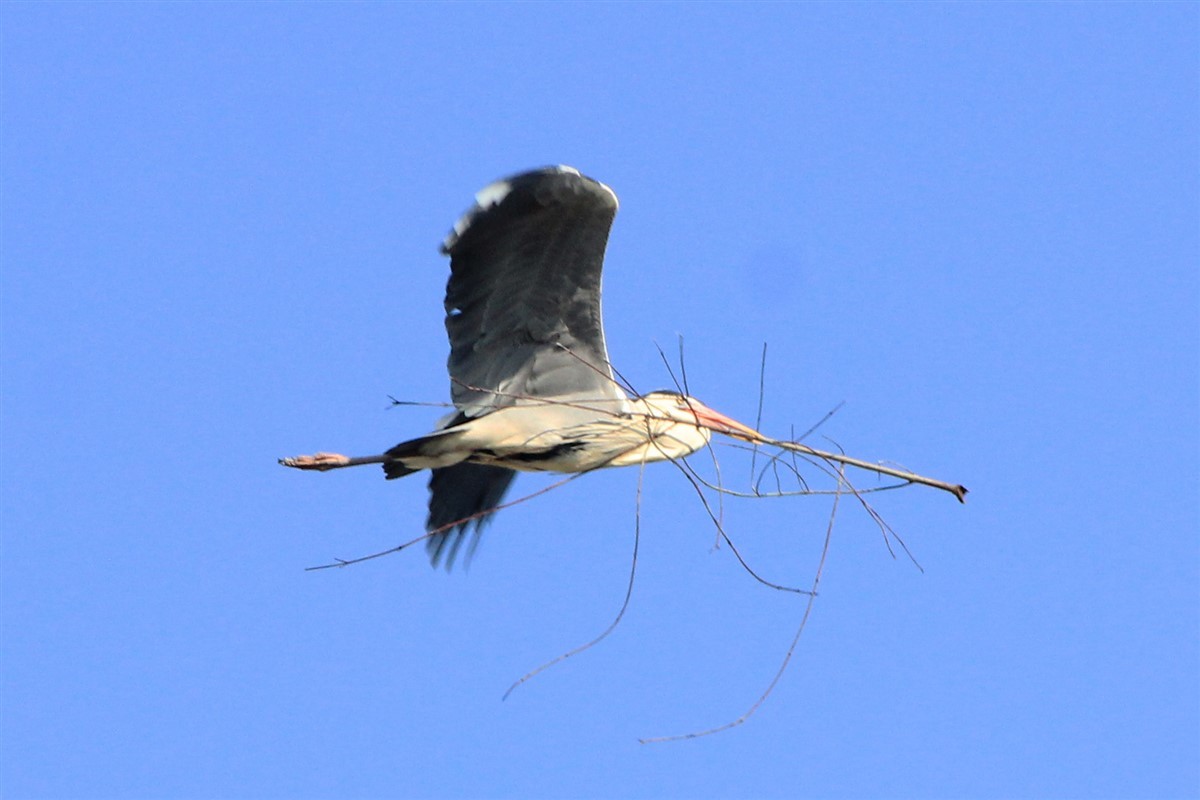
(955, 489)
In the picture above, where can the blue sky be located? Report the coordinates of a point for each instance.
(975, 224)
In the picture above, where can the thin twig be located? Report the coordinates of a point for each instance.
(718, 519)
(430, 404)
(794, 469)
(957, 490)
(691, 475)
(343, 562)
(616, 378)
(683, 367)
(818, 423)
(637, 537)
(787, 657)
(762, 384)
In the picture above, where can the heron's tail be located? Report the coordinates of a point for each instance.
(426, 452)
(394, 469)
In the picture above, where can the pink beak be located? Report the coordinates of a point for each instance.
(716, 421)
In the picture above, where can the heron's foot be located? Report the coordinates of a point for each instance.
(320, 461)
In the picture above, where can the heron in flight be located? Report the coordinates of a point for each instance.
(530, 377)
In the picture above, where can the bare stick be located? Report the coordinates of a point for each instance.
(776, 460)
(957, 490)
(342, 562)
(787, 657)
(819, 422)
(887, 531)
(720, 515)
(755, 437)
(620, 381)
(692, 477)
(423, 403)
(637, 537)
(762, 385)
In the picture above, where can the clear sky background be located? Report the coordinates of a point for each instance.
(976, 224)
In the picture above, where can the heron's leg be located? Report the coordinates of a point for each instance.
(328, 461)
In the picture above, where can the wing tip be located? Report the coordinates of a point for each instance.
(494, 194)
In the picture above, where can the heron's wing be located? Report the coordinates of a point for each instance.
(523, 301)
(459, 492)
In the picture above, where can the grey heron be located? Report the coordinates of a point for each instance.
(530, 377)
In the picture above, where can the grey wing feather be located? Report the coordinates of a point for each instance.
(523, 300)
(523, 317)
(459, 492)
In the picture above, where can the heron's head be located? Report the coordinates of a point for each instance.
(665, 404)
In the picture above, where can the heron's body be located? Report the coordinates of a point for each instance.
(557, 438)
(529, 369)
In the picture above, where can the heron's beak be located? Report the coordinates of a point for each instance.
(716, 421)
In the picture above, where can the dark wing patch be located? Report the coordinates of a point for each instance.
(523, 300)
(456, 493)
